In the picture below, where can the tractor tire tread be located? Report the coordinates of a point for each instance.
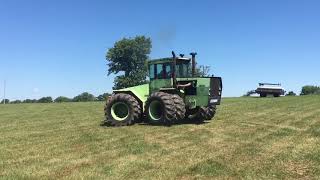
(169, 107)
(131, 102)
(210, 112)
(180, 107)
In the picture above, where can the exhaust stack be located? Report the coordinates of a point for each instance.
(174, 58)
(193, 59)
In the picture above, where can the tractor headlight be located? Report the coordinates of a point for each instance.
(213, 101)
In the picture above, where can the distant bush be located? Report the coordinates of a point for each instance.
(307, 90)
(61, 99)
(5, 100)
(84, 97)
(29, 101)
(45, 100)
(103, 97)
(291, 93)
(16, 102)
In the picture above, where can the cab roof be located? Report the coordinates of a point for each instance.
(169, 60)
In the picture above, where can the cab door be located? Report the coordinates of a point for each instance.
(160, 76)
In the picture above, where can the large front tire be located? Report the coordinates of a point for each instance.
(180, 107)
(122, 110)
(160, 108)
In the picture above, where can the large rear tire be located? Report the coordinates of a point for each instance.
(197, 114)
(180, 107)
(160, 108)
(210, 112)
(122, 110)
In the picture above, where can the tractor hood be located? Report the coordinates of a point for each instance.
(141, 92)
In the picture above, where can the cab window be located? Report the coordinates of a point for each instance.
(168, 71)
(151, 71)
(182, 70)
(160, 71)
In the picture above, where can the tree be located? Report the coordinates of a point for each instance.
(129, 55)
(123, 82)
(45, 100)
(291, 93)
(202, 71)
(61, 99)
(307, 90)
(103, 97)
(29, 101)
(5, 100)
(16, 102)
(84, 97)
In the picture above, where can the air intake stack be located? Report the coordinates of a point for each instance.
(193, 59)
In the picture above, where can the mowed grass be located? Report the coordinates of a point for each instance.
(250, 138)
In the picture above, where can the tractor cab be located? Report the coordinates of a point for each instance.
(178, 75)
(163, 72)
(163, 68)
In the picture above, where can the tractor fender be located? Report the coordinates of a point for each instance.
(141, 93)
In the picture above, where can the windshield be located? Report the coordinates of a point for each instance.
(182, 70)
(160, 71)
(164, 71)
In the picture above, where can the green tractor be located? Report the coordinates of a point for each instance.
(175, 92)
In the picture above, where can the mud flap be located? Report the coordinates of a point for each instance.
(215, 91)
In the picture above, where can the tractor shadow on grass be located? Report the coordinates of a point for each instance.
(172, 124)
(181, 122)
(145, 123)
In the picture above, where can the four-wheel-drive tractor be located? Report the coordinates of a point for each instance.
(175, 92)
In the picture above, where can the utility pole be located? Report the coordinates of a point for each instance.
(4, 92)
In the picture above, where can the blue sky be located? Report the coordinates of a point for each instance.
(52, 48)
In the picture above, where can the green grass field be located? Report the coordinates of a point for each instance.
(250, 138)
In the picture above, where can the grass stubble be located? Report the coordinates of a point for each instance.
(250, 138)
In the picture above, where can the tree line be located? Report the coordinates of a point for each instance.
(83, 97)
(306, 90)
